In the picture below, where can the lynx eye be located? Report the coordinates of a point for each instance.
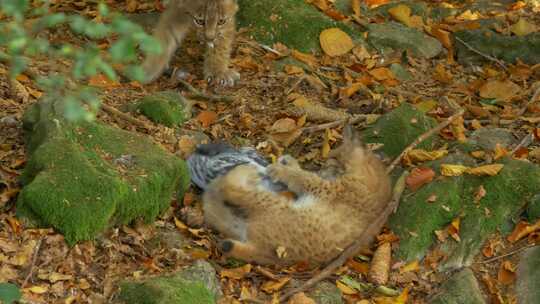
(222, 21)
(198, 21)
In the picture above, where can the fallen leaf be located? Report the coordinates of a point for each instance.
(273, 286)
(325, 149)
(360, 267)
(523, 27)
(401, 13)
(458, 129)
(521, 230)
(335, 42)
(382, 74)
(301, 298)
(419, 177)
(101, 81)
(207, 118)
(412, 266)
(442, 75)
(345, 289)
(305, 58)
(501, 90)
(421, 155)
(237, 273)
(453, 170)
(499, 151)
(507, 273)
(479, 194)
(490, 170)
(453, 229)
(37, 289)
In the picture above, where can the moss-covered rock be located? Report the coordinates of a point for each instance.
(533, 209)
(325, 293)
(528, 276)
(291, 22)
(506, 195)
(395, 36)
(462, 287)
(399, 128)
(82, 178)
(507, 48)
(190, 286)
(168, 108)
(416, 218)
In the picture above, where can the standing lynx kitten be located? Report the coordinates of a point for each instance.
(214, 23)
(330, 211)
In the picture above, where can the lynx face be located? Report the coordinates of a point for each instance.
(212, 18)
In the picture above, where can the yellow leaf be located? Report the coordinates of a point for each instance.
(489, 170)
(301, 298)
(346, 289)
(421, 155)
(39, 289)
(412, 266)
(335, 42)
(179, 224)
(382, 74)
(401, 13)
(453, 170)
(273, 286)
(325, 150)
(522, 27)
(236, 273)
(500, 151)
(426, 106)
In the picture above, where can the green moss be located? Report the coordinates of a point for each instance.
(291, 22)
(166, 290)
(533, 209)
(462, 287)
(416, 218)
(399, 128)
(167, 108)
(82, 178)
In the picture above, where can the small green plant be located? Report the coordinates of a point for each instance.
(9, 293)
(23, 39)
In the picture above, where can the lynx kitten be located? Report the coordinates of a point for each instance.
(214, 23)
(330, 211)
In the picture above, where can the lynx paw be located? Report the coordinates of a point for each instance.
(226, 78)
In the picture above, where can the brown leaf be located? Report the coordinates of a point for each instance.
(453, 229)
(501, 90)
(237, 273)
(442, 75)
(284, 125)
(500, 151)
(345, 289)
(360, 267)
(419, 177)
(489, 170)
(382, 74)
(380, 264)
(305, 58)
(507, 273)
(273, 286)
(453, 170)
(480, 193)
(301, 298)
(421, 155)
(523, 27)
(101, 81)
(521, 230)
(207, 118)
(412, 266)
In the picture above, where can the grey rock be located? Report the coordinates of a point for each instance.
(528, 276)
(461, 288)
(488, 138)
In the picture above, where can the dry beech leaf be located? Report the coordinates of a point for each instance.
(453, 170)
(382, 74)
(301, 298)
(522, 230)
(355, 5)
(401, 13)
(458, 129)
(283, 125)
(345, 289)
(453, 229)
(442, 75)
(305, 58)
(419, 177)
(500, 90)
(490, 170)
(479, 194)
(236, 273)
(360, 267)
(489, 249)
(421, 155)
(207, 118)
(380, 264)
(335, 42)
(293, 69)
(101, 81)
(523, 27)
(273, 286)
(412, 266)
(500, 151)
(507, 273)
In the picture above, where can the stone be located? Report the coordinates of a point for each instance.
(197, 284)
(488, 138)
(395, 36)
(528, 276)
(533, 209)
(168, 108)
(84, 177)
(462, 287)
(325, 293)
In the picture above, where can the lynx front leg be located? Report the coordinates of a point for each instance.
(299, 180)
(243, 251)
(170, 35)
(218, 57)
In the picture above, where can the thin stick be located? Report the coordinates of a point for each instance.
(32, 266)
(266, 273)
(528, 139)
(196, 94)
(482, 54)
(333, 124)
(493, 259)
(531, 101)
(113, 111)
(423, 137)
(296, 84)
(353, 249)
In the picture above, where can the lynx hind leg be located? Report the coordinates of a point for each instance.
(228, 220)
(299, 180)
(245, 251)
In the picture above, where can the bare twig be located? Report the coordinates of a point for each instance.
(491, 58)
(32, 266)
(529, 138)
(353, 120)
(196, 94)
(423, 137)
(113, 111)
(361, 242)
(531, 101)
(295, 84)
(493, 259)
(266, 273)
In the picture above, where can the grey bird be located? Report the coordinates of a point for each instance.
(210, 161)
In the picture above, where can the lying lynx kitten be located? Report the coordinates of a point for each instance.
(330, 211)
(214, 23)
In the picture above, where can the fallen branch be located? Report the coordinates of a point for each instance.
(472, 49)
(353, 249)
(423, 137)
(333, 124)
(196, 94)
(113, 111)
(493, 259)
